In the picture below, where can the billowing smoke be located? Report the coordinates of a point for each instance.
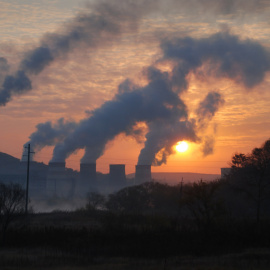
(4, 67)
(158, 104)
(205, 113)
(104, 21)
(100, 27)
(208, 108)
(49, 134)
(131, 105)
(244, 61)
(162, 136)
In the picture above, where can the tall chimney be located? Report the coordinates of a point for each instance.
(143, 173)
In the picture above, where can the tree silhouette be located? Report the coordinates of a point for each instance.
(203, 202)
(250, 175)
(95, 201)
(12, 199)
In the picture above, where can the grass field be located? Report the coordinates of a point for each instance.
(98, 241)
(44, 259)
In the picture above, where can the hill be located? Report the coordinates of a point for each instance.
(174, 178)
(8, 160)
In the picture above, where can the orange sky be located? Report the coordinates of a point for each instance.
(87, 78)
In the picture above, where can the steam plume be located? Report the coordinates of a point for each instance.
(158, 104)
(206, 111)
(100, 27)
(208, 108)
(130, 106)
(244, 61)
(48, 134)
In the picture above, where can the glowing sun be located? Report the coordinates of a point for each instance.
(182, 146)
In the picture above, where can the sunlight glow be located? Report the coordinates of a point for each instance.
(182, 146)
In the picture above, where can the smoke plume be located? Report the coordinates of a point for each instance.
(208, 108)
(103, 24)
(131, 105)
(158, 104)
(243, 61)
(49, 134)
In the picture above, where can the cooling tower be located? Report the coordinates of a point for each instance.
(87, 180)
(142, 173)
(117, 174)
(57, 179)
(57, 167)
(88, 170)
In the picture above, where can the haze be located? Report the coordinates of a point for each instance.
(71, 71)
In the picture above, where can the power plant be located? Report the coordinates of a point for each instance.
(63, 182)
(142, 173)
(55, 180)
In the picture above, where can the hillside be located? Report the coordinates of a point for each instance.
(8, 160)
(175, 178)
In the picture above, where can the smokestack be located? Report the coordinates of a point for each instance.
(143, 173)
(117, 174)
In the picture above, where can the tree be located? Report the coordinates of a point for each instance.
(12, 199)
(203, 202)
(129, 200)
(95, 201)
(149, 197)
(250, 175)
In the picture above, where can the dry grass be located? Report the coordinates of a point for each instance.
(45, 259)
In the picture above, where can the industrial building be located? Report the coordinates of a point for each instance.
(55, 180)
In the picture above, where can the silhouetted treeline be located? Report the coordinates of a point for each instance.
(158, 220)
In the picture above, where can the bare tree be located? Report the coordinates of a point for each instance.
(202, 201)
(12, 199)
(94, 201)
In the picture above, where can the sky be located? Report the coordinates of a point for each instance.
(195, 70)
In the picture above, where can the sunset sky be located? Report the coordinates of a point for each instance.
(83, 77)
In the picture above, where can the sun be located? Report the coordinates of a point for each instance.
(182, 146)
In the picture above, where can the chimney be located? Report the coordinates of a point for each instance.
(143, 173)
(117, 174)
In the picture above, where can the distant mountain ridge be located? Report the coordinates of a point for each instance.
(8, 162)
(177, 177)
(6, 159)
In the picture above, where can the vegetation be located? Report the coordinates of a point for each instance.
(12, 199)
(156, 226)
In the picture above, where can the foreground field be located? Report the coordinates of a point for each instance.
(100, 240)
(44, 259)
